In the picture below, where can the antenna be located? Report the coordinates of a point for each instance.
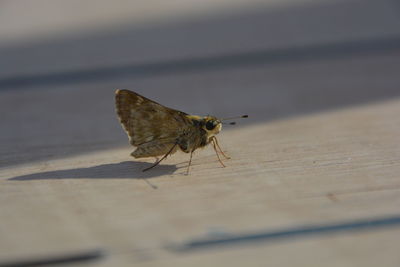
(231, 123)
(231, 118)
(237, 117)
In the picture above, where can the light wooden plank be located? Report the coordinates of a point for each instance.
(317, 169)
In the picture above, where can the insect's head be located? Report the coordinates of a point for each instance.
(212, 125)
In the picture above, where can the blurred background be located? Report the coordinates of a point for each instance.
(62, 60)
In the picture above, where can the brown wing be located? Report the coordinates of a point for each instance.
(145, 120)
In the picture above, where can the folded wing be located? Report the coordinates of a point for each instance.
(146, 121)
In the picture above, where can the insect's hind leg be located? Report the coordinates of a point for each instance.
(215, 142)
(158, 162)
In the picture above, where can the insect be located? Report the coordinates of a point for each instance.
(156, 130)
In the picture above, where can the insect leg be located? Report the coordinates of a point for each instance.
(216, 142)
(190, 162)
(158, 162)
(216, 152)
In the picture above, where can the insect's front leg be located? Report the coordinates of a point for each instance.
(214, 140)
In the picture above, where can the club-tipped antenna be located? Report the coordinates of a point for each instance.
(232, 118)
(230, 123)
(237, 117)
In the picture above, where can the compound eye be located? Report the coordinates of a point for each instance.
(210, 125)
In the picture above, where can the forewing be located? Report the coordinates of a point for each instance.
(145, 120)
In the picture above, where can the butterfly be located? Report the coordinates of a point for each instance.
(156, 130)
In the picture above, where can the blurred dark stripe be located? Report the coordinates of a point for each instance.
(263, 57)
(368, 224)
(77, 258)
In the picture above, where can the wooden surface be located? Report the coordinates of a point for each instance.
(314, 175)
(317, 169)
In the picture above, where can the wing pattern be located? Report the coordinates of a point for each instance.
(149, 125)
